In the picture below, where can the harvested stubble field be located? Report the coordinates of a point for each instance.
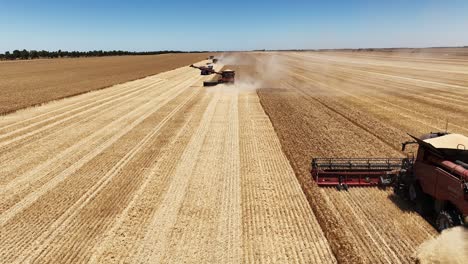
(162, 170)
(157, 170)
(362, 105)
(28, 83)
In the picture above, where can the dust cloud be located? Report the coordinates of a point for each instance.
(451, 246)
(258, 70)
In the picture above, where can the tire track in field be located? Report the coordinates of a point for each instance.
(270, 186)
(98, 105)
(74, 131)
(335, 71)
(59, 135)
(398, 64)
(384, 104)
(64, 223)
(96, 97)
(174, 93)
(74, 150)
(343, 64)
(121, 240)
(142, 112)
(200, 215)
(201, 230)
(229, 246)
(230, 249)
(415, 97)
(57, 106)
(54, 107)
(404, 89)
(155, 239)
(410, 97)
(345, 79)
(350, 120)
(433, 96)
(75, 109)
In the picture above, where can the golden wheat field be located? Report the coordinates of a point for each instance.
(34, 82)
(163, 170)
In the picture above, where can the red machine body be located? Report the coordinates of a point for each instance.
(436, 181)
(227, 76)
(443, 180)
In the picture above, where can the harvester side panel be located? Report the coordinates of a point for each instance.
(444, 181)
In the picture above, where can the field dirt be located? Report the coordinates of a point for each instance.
(28, 83)
(362, 105)
(157, 170)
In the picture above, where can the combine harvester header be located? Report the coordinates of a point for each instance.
(342, 172)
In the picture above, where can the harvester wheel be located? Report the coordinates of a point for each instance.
(339, 187)
(447, 219)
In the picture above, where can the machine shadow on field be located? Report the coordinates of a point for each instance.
(401, 203)
(407, 207)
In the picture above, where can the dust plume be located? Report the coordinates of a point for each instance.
(255, 70)
(451, 246)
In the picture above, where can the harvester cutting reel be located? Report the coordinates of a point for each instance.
(343, 173)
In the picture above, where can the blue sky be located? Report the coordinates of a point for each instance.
(231, 25)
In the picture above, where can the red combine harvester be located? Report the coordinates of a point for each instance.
(436, 181)
(227, 76)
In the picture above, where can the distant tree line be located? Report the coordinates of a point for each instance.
(39, 54)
